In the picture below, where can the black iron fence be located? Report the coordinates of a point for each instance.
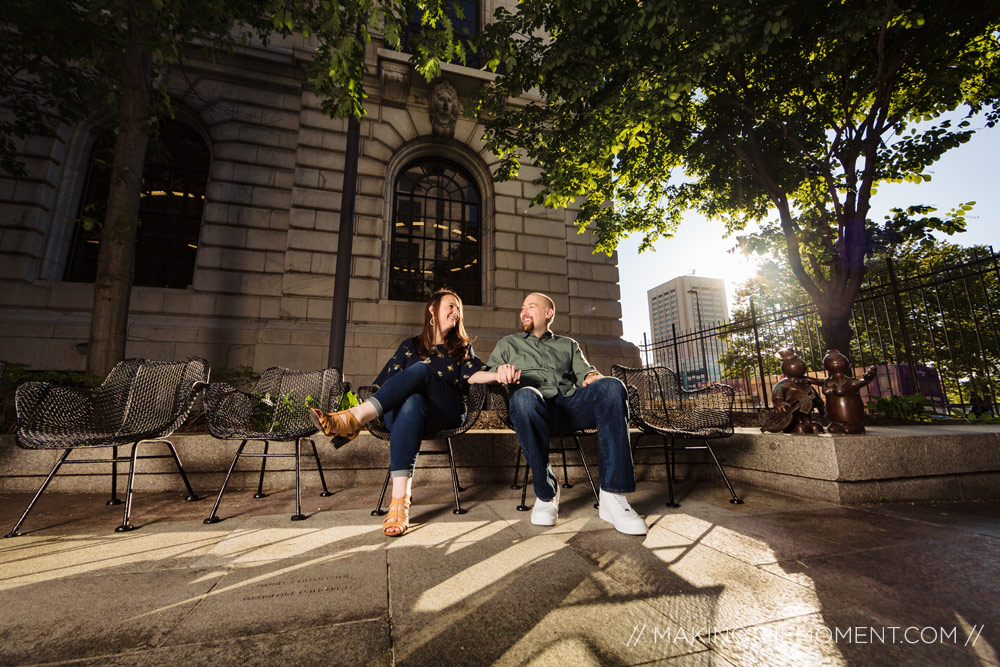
(935, 333)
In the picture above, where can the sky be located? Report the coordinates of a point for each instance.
(967, 173)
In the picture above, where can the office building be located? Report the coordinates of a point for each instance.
(685, 305)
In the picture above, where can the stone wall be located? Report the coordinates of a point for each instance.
(263, 282)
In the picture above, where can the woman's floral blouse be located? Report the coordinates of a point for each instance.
(454, 372)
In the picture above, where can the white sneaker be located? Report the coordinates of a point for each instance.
(545, 512)
(615, 510)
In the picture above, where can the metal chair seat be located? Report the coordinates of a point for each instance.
(500, 398)
(277, 410)
(659, 406)
(140, 401)
(474, 400)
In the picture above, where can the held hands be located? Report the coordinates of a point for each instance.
(508, 374)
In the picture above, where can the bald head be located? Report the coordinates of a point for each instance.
(537, 313)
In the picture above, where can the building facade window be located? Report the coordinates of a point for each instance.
(465, 27)
(175, 177)
(436, 232)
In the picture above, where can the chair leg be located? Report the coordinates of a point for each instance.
(319, 466)
(115, 500)
(191, 494)
(517, 469)
(454, 480)
(14, 531)
(579, 448)
(378, 511)
(735, 500)
(669, 456)
(263, 465)
(213, 517)
(298, 516)
(126, 526)
(673, 460)
(566, 484)
(523, 507)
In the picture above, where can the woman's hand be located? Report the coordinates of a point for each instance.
(504, 374)
(508, 374)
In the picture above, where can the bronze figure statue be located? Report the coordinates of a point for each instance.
(843, 394)
(794, 399)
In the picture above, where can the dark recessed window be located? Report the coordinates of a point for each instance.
(436, 227)
(170, 208)
(465, 28)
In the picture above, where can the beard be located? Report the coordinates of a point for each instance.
(527, 326)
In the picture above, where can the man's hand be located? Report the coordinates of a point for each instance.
(591, 377)
(508, 374)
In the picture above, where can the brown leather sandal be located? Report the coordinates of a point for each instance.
(342, 426)
(398, 517)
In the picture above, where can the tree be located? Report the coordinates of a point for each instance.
(739, 110)
(74, 57)
(926, 302)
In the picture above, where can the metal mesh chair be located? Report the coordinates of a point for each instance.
(500, 398)
(659, 406)
(277, 410)
(140, 401)
(474, 400)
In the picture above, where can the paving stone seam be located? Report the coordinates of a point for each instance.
(924, 522)
(198, 602)
(388, 608)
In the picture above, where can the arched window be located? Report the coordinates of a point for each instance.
(436, 229)
(170, 208)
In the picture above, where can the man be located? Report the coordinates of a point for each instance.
(561, 392)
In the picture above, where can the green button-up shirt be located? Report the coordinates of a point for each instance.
(553, 364)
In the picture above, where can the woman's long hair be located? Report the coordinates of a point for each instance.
(455, 341)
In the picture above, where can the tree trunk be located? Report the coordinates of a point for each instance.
(835, 328)
(116, 258)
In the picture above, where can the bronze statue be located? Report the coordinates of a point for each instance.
(843, 399)
(794, 399)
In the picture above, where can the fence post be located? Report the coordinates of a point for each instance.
(677, 358)
(760, 359)
(904, 330)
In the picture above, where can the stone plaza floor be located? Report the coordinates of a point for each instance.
(776, 581)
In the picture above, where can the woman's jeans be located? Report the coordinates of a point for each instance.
(602, 404)
(414, 402)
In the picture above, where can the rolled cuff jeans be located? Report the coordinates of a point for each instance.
(414, 402)
(602, 404)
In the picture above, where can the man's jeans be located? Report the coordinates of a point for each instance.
(413, 402)
(603, 403)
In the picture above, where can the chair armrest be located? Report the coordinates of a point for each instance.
(220, 394)
(229, 410)
(44, 406)
(500, 402)
(475, 400)
(712, 410)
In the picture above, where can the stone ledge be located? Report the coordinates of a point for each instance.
(887, 464)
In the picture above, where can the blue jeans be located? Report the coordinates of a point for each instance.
(603, 403)
(414, 402)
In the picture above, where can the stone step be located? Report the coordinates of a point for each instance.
(889, 463)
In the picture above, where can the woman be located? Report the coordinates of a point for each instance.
(420, 390)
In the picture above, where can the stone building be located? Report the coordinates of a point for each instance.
(239, 221)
